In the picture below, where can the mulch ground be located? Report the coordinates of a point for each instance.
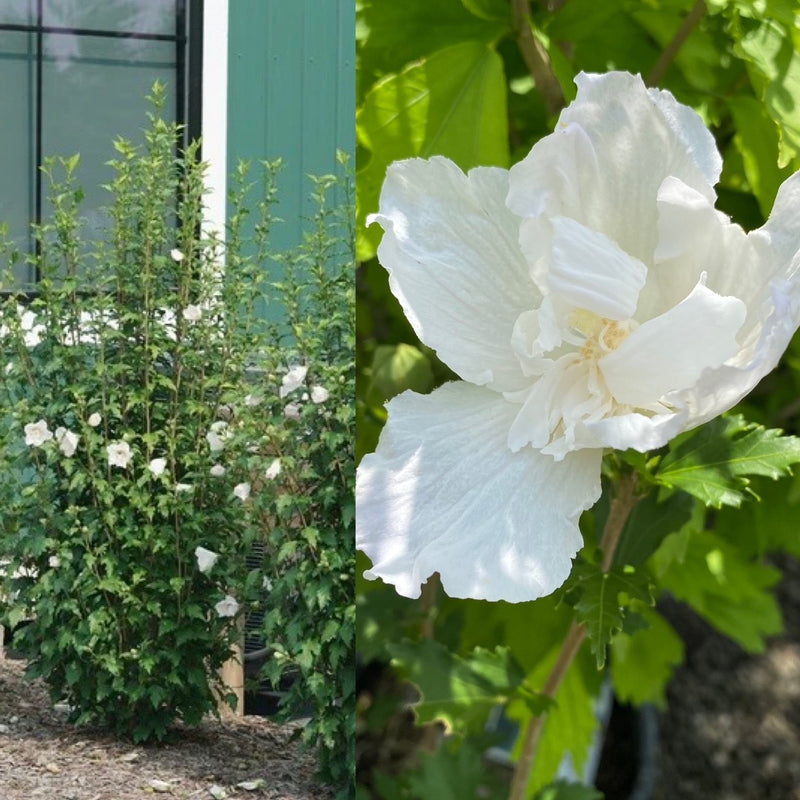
(43, 756)
(732, 730)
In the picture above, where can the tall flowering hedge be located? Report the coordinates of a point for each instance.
(148, 434)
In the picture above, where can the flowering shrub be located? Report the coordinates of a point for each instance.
(589, 298)
(133, 458)
(556, 343)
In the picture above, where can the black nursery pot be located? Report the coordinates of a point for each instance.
(628, 767)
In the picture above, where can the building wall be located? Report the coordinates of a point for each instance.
(291, 92)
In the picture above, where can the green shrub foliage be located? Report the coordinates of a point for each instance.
(147, 410)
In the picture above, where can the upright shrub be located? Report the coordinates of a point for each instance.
(142, 410)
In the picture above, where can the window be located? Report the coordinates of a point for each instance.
(73, 76)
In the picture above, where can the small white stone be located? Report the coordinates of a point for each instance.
(217, 792)
(251, 786)
(160, 786)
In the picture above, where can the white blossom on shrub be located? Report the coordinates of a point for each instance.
(54, 562)
(589, 298)
(183, 488)
(67, 441)
(157, 466)
(119, 454)
(192, 313)
(94, 419)
(218, 470)
(293, 379)
(292, 411)
(37, 433)
(205, 558)
(319, 394)
(242, 491)
(227, 607)
(176, 255)
(273, 470)
(217, 435)
(32, 331)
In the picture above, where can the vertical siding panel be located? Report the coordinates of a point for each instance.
(291, 92)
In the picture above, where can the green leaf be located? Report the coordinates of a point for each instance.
(767, 525)
(600, 599)
(772, 52)
(757, 140)
(396, 368)
(721, 584)
(459, 691)
(394, 34)
(643, 662)
(570, 725)
(452, 103)
(649, 523)
(457, 771)
(711, 462)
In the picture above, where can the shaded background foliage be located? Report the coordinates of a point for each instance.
(480, 81)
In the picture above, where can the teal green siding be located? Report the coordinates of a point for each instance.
(291, 92)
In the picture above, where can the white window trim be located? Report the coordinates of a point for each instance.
(214, 113)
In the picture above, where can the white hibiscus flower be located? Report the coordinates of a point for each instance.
(590, 298)
(205, 558)
(227, 607)
(37, 433)
(293, 379)
(119, 454)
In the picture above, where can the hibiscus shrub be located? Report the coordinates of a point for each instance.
(132, 446)
(303, 477)
(586, 338)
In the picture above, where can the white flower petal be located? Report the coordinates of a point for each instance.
(273, 470)
(670, 352)
(227, 607)
(688, 126)
(205, 559)
(218, 470)
(37, 433)
(451, 248)
(608, 174)
(119, 454)
(293, 379)
(590, 271)
(443, 493)
(242, 491)
(157, 466)
(67, 442)
(319, 394)
(94, 420)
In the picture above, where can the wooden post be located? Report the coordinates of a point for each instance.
(232, 676)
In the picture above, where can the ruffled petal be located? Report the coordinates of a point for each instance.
(451, 248)
(589, 271)
(621, 142)
(669, 353)
(443, 493)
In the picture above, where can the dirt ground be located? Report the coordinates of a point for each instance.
(43, 756)
(732, 731)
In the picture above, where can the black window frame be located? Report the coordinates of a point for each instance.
(188, 40)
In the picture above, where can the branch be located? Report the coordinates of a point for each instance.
(621, 507)
(668, 56)
(537, 60)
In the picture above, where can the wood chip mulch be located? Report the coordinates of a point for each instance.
(44, 756)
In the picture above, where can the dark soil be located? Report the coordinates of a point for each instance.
(732, 730)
